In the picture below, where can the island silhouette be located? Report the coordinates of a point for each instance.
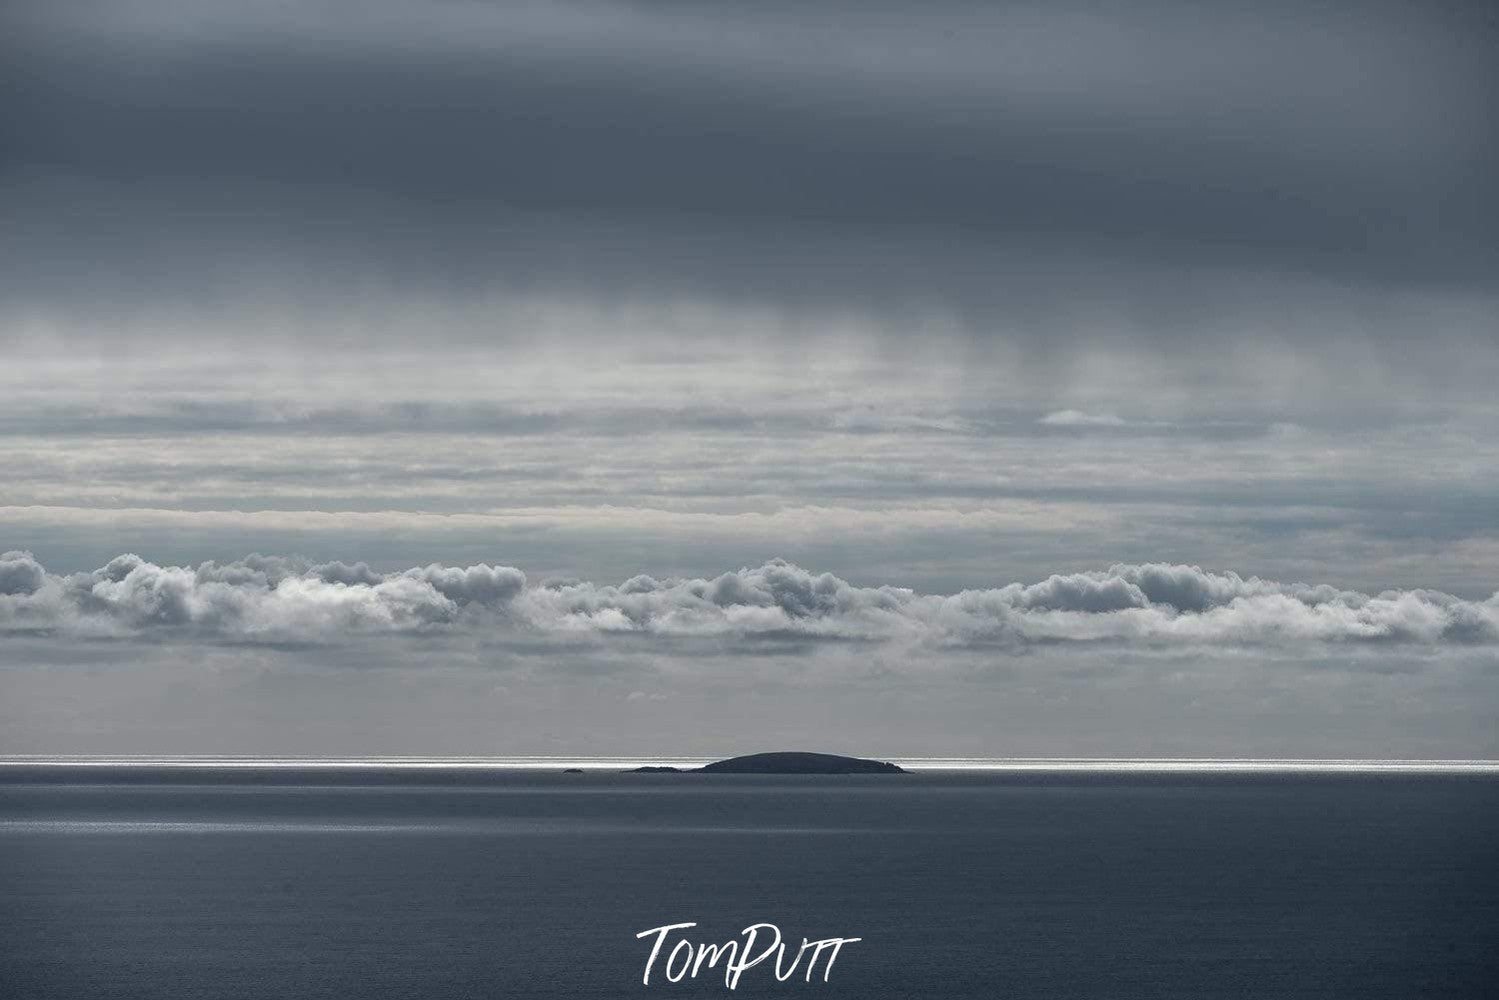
(785, 762)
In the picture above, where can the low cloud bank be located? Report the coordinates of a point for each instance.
(1154, 603)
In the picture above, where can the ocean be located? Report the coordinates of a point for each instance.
(432, 880)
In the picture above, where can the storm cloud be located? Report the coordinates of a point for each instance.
(1163, 172)
(1070, 119)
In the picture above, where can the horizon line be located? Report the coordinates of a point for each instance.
(516, 762)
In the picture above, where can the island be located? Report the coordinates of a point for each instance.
(801, 763)
(781, 762)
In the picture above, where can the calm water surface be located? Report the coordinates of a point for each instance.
(167, 883)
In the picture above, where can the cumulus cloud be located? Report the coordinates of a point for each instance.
(20, 574)
(1151, 604)
(255, 596)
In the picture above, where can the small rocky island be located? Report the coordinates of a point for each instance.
(788, 762)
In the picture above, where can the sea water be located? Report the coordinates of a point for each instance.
(430, 880)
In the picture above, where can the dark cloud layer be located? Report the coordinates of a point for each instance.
(670, 147)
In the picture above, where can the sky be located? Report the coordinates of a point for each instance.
(1009, 379)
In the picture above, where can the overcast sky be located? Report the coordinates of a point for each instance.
(942, 378)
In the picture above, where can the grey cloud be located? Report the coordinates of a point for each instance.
(257, 596)
(1150, 605)
(719, 141)
(20, 574)
(162, 415)
(472, 584)
(125, 269)
(339, 572)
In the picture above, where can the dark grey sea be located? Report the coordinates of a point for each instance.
(284, 882)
